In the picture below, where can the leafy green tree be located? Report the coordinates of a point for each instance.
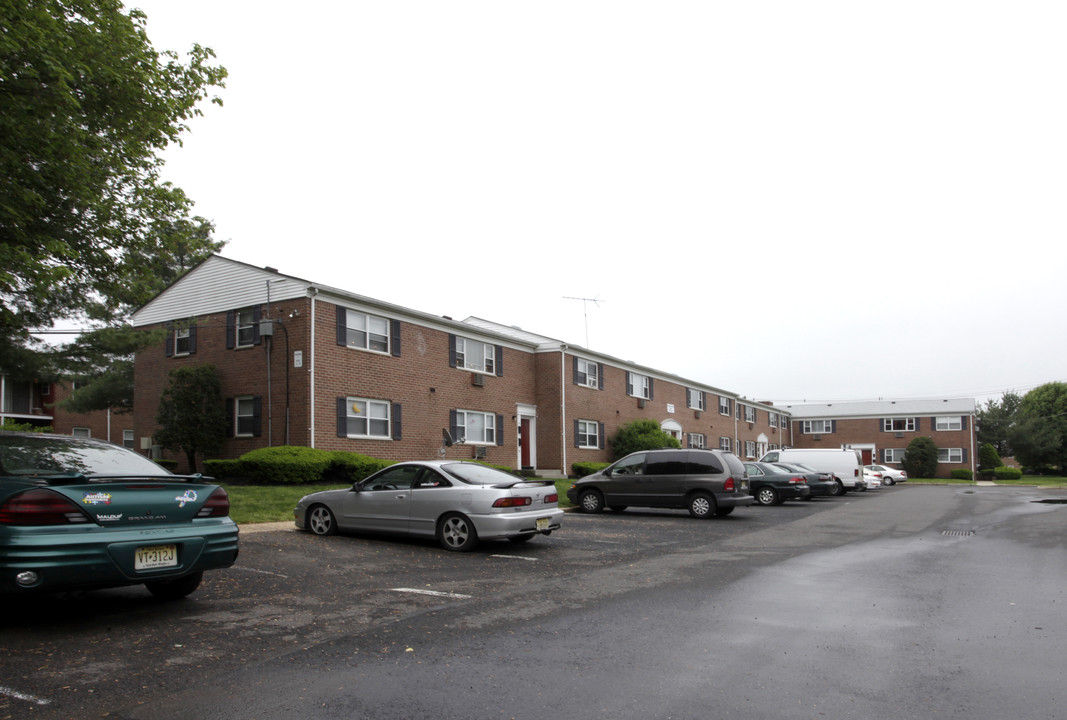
(86, 107)
(103, 359)
(920, 459)
(1039, 436)
(994, 422)
(191, 415)
(641, 435)
(988, 458)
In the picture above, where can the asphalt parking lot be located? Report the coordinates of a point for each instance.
(311, 603)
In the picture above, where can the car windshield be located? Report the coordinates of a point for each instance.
(476, 474)
(29, 455)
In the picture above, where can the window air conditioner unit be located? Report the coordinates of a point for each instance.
(479, 452)
(477, 380)
(640, 402)
(900, 435)
(816, 437)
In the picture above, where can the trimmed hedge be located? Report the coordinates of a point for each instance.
(295, 465)
(581, 469)
(1008, 473)
(961, 474)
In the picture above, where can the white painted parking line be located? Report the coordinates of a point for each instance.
(261, 572)
(434, 593)
(22, 696)
(514, 557)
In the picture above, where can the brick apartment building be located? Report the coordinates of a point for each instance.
(881, 430)
(38, 403)
(307, 364)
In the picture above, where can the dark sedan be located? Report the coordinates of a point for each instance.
(821, 484)
(772, 485)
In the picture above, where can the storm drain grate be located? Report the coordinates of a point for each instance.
(957, 533)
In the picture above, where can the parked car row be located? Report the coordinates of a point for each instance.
(711, 483)
(77, 513)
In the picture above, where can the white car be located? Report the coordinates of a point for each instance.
(885, 474)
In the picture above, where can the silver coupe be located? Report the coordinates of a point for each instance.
(458, 503)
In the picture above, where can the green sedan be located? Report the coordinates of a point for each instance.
(78, 514)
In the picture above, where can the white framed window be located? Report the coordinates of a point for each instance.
(127, 439)
(82, 432)
(950, 455)
(244, 416)
(724, 406)
(368, 418)
(588, 373)
(750, 414)
(695, 399)
(893, 455)
(750, 448)
(953, 422)
(475, 356)
(772, 446)
(476, 428)
(818, 427)
(898, 424)
(588, 434)
(367, 332)
(245, 328)
(182, 341)
(638, 386)
(726, 444)
(697, 440)
(772, 418)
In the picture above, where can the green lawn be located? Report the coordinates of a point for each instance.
(275, 503)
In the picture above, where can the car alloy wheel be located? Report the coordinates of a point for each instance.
(887, 481)
(766, 496)
(457, 533)
(320, 521)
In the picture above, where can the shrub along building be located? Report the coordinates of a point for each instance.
(882, 430)
(306, 364)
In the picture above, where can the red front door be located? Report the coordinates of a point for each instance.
(524, 442)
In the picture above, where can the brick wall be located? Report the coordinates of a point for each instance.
(868, 436)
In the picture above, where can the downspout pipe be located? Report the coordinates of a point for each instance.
(313, 292)
(563, 406)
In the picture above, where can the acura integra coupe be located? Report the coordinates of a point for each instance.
(79, 514)
(458, 503)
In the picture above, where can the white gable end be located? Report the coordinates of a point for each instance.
(217, 285)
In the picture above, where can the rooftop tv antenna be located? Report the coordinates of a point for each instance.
(585, 311)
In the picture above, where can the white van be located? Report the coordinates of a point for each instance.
(845, 465)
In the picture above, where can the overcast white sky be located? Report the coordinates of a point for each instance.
(794, 201)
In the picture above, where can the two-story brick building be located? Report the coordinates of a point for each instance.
(31, 402)
(307, 364)
(881, 430)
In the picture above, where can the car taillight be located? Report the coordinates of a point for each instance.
(505, 502)
(728, 486)
(216, 505)
(797, 480)
(41, 507)
(551, 498)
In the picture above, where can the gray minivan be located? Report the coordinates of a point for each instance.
(708, 483)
